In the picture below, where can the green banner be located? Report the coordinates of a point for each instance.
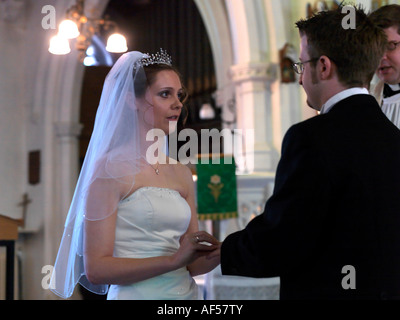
(216, 190)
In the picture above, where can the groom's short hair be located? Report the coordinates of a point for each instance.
(355, 52)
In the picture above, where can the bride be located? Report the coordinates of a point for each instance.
(132, 229)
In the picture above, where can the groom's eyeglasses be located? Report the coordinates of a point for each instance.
(298, 67)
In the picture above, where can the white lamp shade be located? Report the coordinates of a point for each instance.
(116, 43)
(68, 29)
(207, 112)
(59, 45)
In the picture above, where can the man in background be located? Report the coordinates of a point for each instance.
(388, 18)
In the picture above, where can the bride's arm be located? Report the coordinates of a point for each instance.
(210, 261)
(102, 268)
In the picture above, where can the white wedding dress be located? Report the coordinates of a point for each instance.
(150, 223)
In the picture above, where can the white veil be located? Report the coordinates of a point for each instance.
(114, 157)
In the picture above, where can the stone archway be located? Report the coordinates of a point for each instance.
(56, 109)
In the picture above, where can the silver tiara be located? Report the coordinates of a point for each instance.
(161, 57)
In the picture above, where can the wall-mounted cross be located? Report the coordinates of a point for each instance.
(24, 204)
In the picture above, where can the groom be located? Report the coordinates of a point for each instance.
(331, 229)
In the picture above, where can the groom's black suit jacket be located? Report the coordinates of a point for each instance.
(336, 202)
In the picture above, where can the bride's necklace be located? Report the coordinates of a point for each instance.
(156, 170)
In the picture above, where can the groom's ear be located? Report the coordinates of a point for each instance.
(326, 68)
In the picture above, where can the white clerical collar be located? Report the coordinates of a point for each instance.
(394, 87)
(341, 96)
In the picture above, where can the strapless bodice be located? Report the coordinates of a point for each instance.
(150, 223)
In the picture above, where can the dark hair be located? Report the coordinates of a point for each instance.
(387, 16)
(151, 72)
(355, 52)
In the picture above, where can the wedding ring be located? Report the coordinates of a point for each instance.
(197, 239)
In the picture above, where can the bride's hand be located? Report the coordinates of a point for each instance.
(194, 246)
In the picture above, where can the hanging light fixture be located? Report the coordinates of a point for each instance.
(207, 112)
(116, 43)
(77, 25)
(59, 46)
(68, 29)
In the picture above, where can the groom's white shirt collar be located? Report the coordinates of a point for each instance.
(341, 96)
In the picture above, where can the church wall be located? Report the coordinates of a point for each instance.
(45, 90)
(18, 67)
(12, 112)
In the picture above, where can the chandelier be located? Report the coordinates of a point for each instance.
(78, 26)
